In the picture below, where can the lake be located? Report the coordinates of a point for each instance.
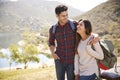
(4, 63)
(6, 39)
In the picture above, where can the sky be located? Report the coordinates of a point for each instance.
(83, 5)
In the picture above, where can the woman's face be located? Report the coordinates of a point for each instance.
(81, 27)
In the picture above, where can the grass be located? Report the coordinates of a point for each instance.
(29, 74)
(118, 59)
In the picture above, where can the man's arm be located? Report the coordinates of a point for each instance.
(52, 44)
(52, 50)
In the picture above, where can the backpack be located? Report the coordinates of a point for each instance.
(71, 25)
(109, 58)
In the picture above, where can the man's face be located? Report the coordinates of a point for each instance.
(63, 17)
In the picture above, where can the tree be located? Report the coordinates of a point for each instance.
(2, 55)
(24, 54)
(29, 54)
(14, 56)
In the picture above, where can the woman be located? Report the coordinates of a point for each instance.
(85, 58)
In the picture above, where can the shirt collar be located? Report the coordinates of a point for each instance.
(63, 25)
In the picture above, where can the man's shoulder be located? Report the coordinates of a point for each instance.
(74, 21)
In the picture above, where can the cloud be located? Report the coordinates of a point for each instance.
(14, 0)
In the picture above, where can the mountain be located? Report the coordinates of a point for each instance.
(33, 14)
(19, 16)
(105, 19)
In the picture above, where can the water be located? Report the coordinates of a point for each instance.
(6, 39)
(4, 63)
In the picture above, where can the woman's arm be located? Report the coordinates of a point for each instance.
(76, 64)
(97, 53)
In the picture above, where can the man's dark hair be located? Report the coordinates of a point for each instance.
(60, 8)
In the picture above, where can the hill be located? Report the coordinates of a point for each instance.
(105, 19)
(33, 15)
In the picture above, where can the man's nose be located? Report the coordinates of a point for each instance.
(78, 26)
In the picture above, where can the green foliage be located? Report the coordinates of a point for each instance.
(2, 55)
(49, 55)
(28, 53)
(14, 49)
(31, 49)
(117, 46)
(35, 38)
(44, 31)
(15, 55)
(30, 37)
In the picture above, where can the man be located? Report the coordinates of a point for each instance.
(63, 52)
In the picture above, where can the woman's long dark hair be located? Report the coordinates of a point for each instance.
(88, 28)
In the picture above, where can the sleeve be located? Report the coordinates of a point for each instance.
(51, 40)
(76, 64)
(97, 53)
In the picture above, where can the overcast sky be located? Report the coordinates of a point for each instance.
(83, 5)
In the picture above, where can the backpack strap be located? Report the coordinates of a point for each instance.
(99, 72)
(54, 28)
(71, 25)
